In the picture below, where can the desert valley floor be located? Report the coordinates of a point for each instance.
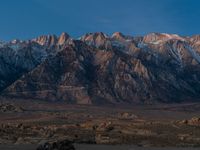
(28, 123)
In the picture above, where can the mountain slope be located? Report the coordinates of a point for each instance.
(100, 69)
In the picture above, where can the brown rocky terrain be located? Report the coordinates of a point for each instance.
(143, 126)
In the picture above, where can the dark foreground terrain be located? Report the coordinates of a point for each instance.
(25, 124)
(95, 147)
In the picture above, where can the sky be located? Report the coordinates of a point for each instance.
(26, 19)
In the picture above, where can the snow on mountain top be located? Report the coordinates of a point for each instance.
(157, 38)
(173, 36)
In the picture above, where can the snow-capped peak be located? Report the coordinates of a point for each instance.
(158, 38)
(173, 36)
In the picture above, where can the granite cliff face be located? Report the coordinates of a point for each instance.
(100, 69)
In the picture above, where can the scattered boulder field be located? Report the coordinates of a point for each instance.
(50, 126)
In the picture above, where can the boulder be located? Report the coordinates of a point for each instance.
(57, 145)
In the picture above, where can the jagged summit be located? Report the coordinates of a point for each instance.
(118, 35)
(97, 39)
(52, 40)
(94, 36)
(46, 40)
(157, 38)
(99, 69)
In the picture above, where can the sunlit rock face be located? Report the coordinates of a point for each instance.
(46, 40)
(99, 69)
(64, 37)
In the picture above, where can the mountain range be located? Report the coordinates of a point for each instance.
(102, 69)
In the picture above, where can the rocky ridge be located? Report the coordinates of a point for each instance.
(99, 69)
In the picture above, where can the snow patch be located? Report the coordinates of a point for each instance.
(173, 36)
(156, 42)
(194, 54)
(141, 45)
(176, 53)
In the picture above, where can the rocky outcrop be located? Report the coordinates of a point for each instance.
(195, 121)
(49, 40)
(6, 107)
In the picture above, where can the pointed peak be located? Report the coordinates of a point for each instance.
(118, 34)
(94, 36)
(101, 34)
(97, 39)
(63, 38)
(64, 35)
